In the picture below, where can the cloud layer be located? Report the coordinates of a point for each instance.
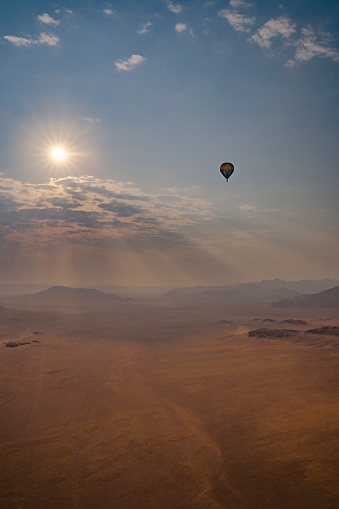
(85, 208)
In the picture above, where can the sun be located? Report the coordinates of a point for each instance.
(58, 154)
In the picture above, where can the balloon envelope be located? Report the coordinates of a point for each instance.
(226, 169)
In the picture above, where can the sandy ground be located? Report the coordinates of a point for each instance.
(155, 406)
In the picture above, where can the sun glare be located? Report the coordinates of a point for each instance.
(55, 146)
(59, 154)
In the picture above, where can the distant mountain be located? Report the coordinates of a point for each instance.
(301, 287)
(264, 291)
(213, 296)
(325, 299)
(66, 294)
(264, 295)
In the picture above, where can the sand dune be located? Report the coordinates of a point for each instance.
(156, 406)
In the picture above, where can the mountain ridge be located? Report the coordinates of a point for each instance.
(301, 286)
(265, 291)
(328, 298)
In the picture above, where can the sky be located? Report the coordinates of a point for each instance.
(147, 100)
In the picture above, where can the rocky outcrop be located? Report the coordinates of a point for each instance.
(327, 330)
(273, 333)
(291, 321)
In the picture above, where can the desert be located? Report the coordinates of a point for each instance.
(149, 402)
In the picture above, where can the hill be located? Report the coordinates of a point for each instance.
(67, 294)
(326, 299)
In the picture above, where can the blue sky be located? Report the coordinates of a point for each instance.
(148, 99)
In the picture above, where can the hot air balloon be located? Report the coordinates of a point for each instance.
(226, 169)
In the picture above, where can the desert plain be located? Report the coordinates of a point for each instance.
(158, 404)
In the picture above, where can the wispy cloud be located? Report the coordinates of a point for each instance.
(110, 12)
(308, 47)
(275, 27)
(236, 4)
(130, 63)
(145, 28)
(238, 21)
(50, 40)
(48, 20)
(246, 207)
(176, 8)
(20, 41)
(91, 120)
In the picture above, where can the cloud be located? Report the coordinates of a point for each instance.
(109, 12)
(20, 41)
(180, 27)
(308, 47)
(246, 207)
(174, 8)
(129, 64)
(45, 18)
(236, 4)
(238, 21)
(100, 226)
(275, 27)
(144, 28)
(101, 201)
(121, 209)
(88, 216)
(50, 40)
(91, 120)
